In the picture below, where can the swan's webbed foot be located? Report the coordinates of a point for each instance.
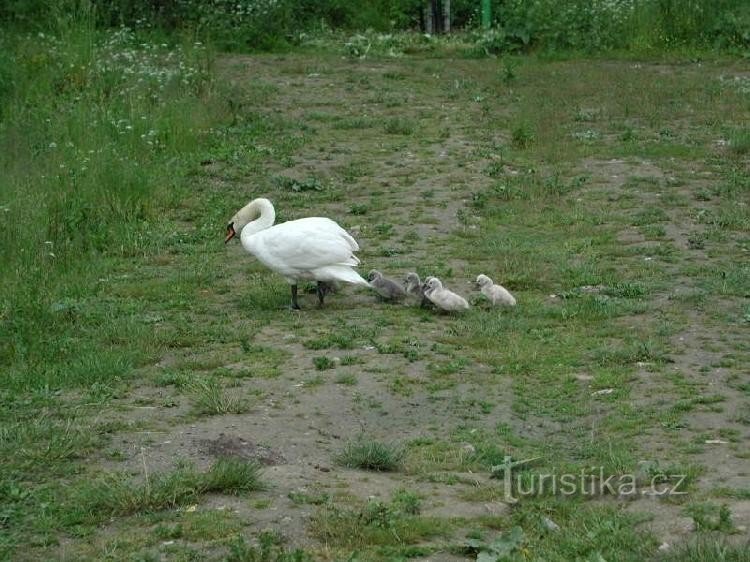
(295, 304)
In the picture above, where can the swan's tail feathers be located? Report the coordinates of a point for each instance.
(340, 273)
(350, 240)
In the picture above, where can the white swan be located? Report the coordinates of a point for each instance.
(313, 249)
(443, 298)
(497, 294)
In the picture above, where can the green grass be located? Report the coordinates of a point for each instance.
(369, 454)
(210, 398)
(399, 126)
(268, 550)
(130, 330)
(375, 524)
(323, 363)
(708, 550)
(115, 495)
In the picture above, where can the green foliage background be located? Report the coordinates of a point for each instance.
(251, 25)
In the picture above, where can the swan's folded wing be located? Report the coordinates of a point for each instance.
(306, 245)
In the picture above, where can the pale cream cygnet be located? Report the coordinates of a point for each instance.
(496, 294)
(443, 298)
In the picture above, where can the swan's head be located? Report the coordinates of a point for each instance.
(250, 212)
(373, 275)
(483, 280)
(433, 283)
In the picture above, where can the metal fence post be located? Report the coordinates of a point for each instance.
(486, 14)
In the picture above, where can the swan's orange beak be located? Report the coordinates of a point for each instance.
(230, 233)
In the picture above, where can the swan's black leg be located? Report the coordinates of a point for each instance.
(295, 306)
(322, 289)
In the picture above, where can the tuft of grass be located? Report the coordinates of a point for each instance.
(348, 123)
(269, 549)
(201, 525)
(400, 126)
(114, 494)
(369, 454)
(209, 397)
(347, 379)
(359, 209)
(710, 517)
(44, 442)
(291, 184)
(300, 498)
(351, 360)
(523, 136)
(323, 363)
(376, 524)
(407, 502)
(708, 549)
(739, 141)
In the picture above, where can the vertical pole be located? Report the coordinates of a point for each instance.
(486, 14)
(429, 26)
(446, 16)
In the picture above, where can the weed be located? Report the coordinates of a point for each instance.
(510, 70)
(399, 126)
(501, 548)
(268, 549)
(376, 523)
(301, 497)
(523, 136)
(739, 141)
(407, 502)
(209, 397)
(291, 184)
(369, 454)
(707, 549)
(347, 379)
(708, 517)
(113, 494)
(359, 209)
(323, 363)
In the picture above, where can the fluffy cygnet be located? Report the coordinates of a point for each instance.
(415, 289)
(497, 294)
(386, 288)
(413, 285)
(443, 298)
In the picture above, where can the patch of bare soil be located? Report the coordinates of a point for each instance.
(232, 446)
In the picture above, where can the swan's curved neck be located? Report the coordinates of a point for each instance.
(258, 215)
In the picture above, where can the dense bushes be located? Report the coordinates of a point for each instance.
(644, 25)
(582, 25)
